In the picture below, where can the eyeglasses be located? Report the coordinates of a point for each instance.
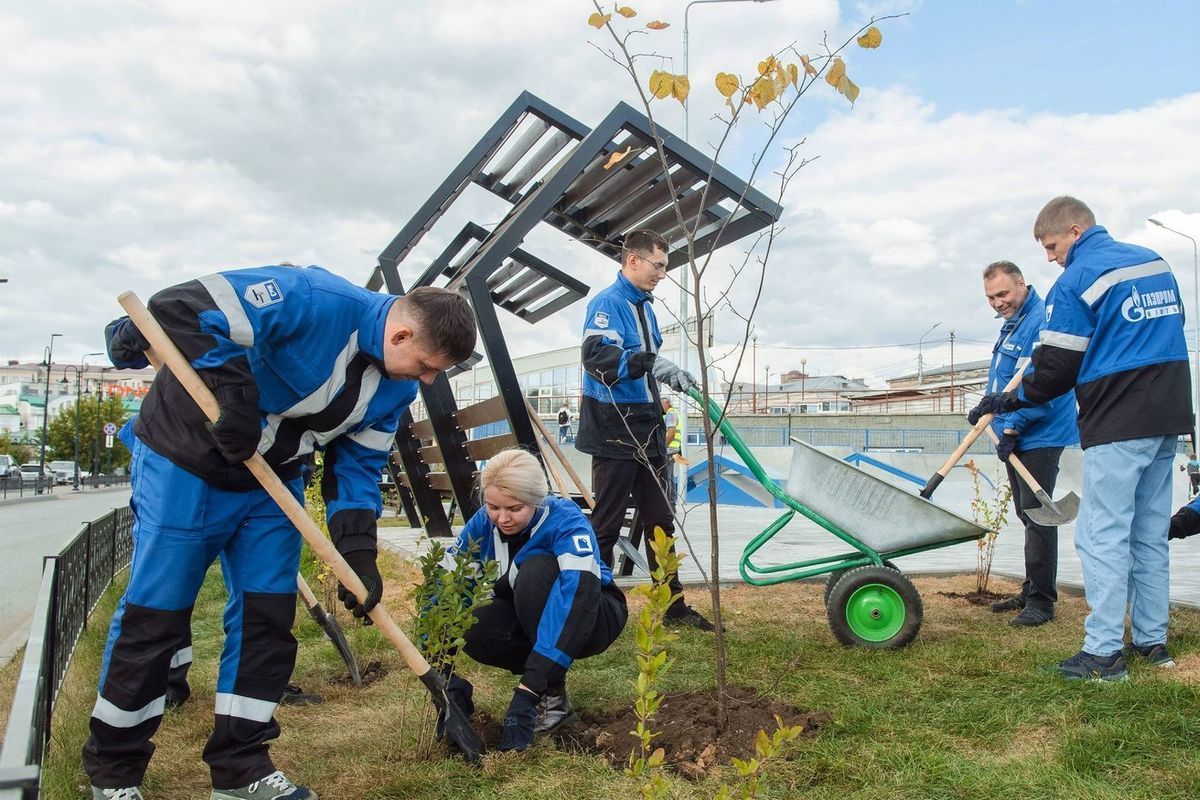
(660, 266)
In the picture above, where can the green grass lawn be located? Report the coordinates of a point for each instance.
(962, 713)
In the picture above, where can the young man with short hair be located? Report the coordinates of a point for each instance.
(299, 360)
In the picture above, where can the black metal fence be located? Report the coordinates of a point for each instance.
(16, 486)
(72, 583)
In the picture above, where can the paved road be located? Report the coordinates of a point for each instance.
(33, 529)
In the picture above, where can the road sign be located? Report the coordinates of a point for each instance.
(110, 428)
(108, 441)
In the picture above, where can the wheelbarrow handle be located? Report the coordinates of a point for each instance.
(983, 424)
(324, 548)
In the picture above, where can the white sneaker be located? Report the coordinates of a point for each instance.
(130, 793)
(273, 787)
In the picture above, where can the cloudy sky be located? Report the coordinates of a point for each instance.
(145, 142)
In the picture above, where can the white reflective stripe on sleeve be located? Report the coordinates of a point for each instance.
(372, 439)
(234, 705)
(604, 333)
(569, 561)
(182, 657)
(1022, 363)
(1111, 279)
(109, 714)
(229, 304)
(447, 563)
(1066, 341)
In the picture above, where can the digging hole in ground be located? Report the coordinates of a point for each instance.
(984, 598)
(688, 725)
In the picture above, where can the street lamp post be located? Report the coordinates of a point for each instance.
(1196, 322)
(78, 400)
(46, 407)
(920, 357)
(99, 425)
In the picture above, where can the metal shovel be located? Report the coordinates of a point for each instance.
(1049, 513)
(458, 725)
(331, 628)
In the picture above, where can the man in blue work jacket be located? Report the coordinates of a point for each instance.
(299, 360)
(1114, 332)
(620, 417)
(1037, 435)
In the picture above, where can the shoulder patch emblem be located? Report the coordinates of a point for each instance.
(601, 319)
(261, 295)
(583, 544)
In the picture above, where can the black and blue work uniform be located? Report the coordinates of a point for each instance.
(313, 345)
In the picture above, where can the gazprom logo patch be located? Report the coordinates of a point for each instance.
(261, 295)
(1149, 305)
(601, 319)
(583, 544)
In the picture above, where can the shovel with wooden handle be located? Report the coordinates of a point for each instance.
(458, 726)
(327, 623)
(985, 421)
(1050, 513)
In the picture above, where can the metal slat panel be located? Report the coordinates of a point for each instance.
(618, 191)
(494, 173)
(422, 429)
(666, 219)
(481, 413)
(526, 278)
(431, 454)
(480, 449)
(501, 275)
(595, 174)
(552, 147)
(555, 305)
(439, 481)
(535, 293)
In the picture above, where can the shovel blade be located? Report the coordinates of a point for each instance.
(1053, 513)
(633, 554)
(458, 726)
(335, 634)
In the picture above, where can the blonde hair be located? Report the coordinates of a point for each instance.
(518, 473)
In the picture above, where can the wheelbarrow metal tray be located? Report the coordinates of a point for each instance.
(884, 517)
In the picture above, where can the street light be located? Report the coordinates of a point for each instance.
(66, 384)
(46, 407)
(1196, 314)
(920, 357)
(99, 424)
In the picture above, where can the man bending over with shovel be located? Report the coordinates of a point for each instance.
(299, 359)
(1037, 435)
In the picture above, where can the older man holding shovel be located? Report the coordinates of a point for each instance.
(1037, 435)
(298, 359)
(1114, 332)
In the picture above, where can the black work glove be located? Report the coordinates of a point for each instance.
(363, 564)
(518, 721)
(998, 403)
(1006, 446)
(461, 693)
(1185, 523)
(239, 428)
(126, 345)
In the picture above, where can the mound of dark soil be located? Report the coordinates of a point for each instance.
(976, 598)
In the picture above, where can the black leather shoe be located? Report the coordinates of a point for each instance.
(683, 614)
(1031, 617)
(1014, 603)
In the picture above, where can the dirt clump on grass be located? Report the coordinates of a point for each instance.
(687, 724)
(373, 671)
(984, 598)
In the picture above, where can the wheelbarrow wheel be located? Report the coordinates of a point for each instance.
(836, 576)
(875, 607)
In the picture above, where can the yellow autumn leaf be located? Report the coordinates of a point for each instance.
(626, 12)
(616, 158)
(849, 88)
(680, 86)
(657, 25)
(794, 74)
(808, 67)
(766, 66)
(598, 20)
(836, 71)
(661, 83)
(871, 39)
(727, 84)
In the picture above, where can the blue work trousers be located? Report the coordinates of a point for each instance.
(181, 525)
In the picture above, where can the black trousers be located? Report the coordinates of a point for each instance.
(613, 481)
(507, 628)
(1041, 542)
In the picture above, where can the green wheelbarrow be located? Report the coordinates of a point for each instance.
(870, 603)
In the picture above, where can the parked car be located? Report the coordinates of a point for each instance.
(64, 471)
(31, 472)
(8, 466)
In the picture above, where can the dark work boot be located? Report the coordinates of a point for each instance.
(1014, 603)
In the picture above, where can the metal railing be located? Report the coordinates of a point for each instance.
(15, 486)
(72, 584)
